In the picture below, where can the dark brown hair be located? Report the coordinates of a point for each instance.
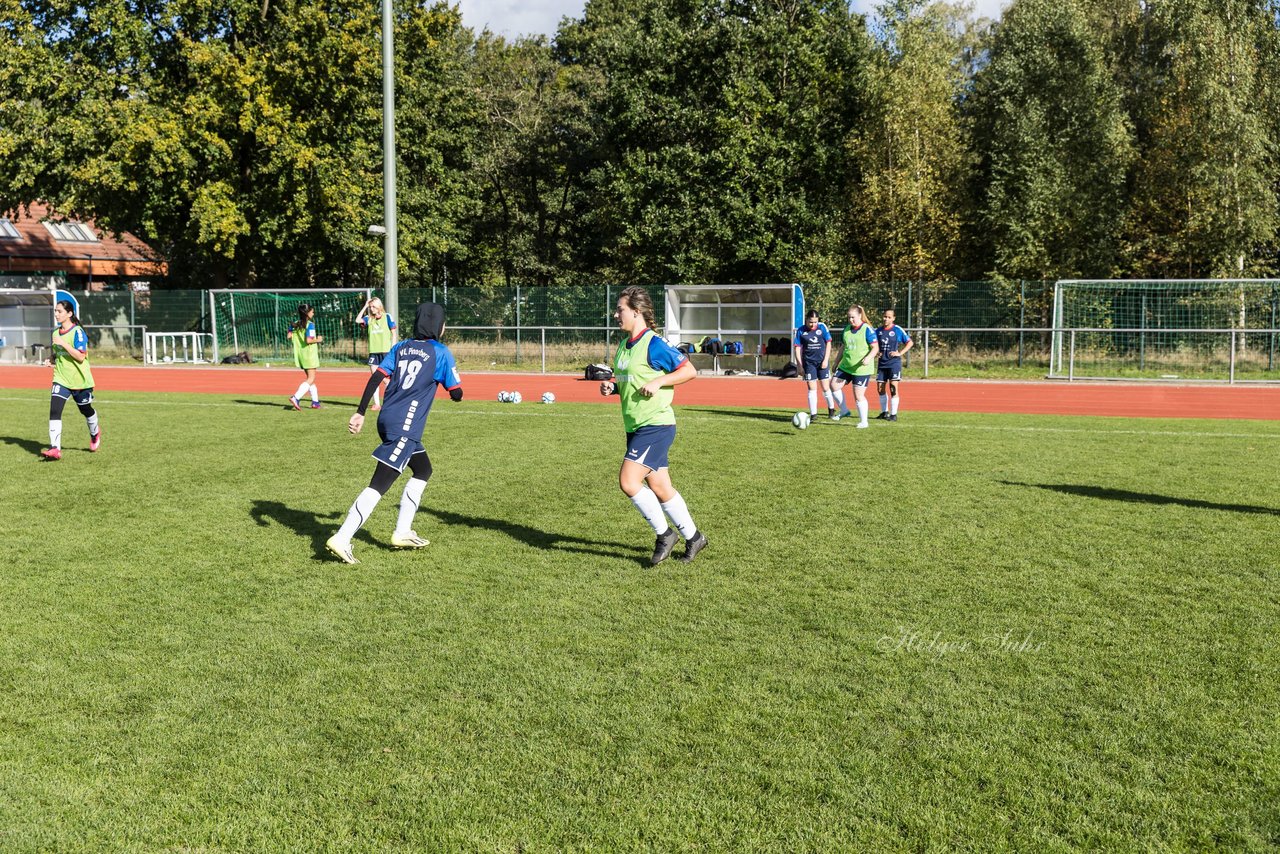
(638, 300)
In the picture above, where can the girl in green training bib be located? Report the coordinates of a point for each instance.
(72, 378)
(645, 370)
(306, 354)
(382, 336)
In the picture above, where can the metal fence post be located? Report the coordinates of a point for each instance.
(544, 349)
(926, 353)
(517, 324)
(1071, 366)
(1022, 316)
(1231, 364)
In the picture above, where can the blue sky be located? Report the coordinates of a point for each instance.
(513, 18)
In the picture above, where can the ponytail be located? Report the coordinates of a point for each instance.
(639, 301)
(70, 309)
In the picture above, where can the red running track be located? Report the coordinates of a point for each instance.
(1131, 400)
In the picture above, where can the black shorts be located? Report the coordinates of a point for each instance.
(375, 359)
(889, 373)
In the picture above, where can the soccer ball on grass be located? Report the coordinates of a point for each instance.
(800, 420)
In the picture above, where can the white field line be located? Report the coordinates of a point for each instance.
(536, 410)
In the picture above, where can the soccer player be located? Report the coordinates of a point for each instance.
(382, 334)
(72, 378)
(412, 369)
(813, 355)
(645, 371)
(306, 354)
(857, 361)
(894, 344)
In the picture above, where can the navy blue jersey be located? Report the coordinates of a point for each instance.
(413, 370)
(889, 339)
(813, 341)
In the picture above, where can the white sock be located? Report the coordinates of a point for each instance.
(679, 513)
(651, 509)
(409, 501)
(302, 389)
(862, 410)
(893, 405)
(315, 394)
(55, 433)
(839, 396)
(831, 401)
(813, 401)
(884, 403)
(360, 510)
(93, 424)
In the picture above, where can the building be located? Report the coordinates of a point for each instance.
(36, 243)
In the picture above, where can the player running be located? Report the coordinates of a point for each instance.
(412, 369)
(645, 369)
(813, 356)
(306, 354)
(382, 334)
(72, 378)
(894, 344)
(857, 361)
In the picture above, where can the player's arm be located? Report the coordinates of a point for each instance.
(313, 337)
(364, 308)
(902, 351)
(74, 352)
(447, 373)
(826, 354)
(875, 349)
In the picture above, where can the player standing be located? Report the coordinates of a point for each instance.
(306, 354)
(813, 356)
(894, 344)
(412, 369)
(382, 334)
(645, 371)
(72, 378)
(857, 362)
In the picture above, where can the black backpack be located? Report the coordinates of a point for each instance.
(599, 372)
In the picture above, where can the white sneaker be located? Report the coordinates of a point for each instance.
(861, 425)
(409, 540)
(341, 550)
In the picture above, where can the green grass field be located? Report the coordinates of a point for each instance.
(962, 631)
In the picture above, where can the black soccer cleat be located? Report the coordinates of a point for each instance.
(893, 418)
(693, 546)
(663, 546)
(883, 416)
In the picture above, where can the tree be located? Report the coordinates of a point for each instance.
(1055, 146)
(1205, 191)
(913, 150)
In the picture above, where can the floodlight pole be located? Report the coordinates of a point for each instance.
(390, 279)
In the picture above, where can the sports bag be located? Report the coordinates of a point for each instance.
(599, 372)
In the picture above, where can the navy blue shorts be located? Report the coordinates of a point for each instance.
(650, 445)
(396, 452)
(375, 359)
(82, 396)
(860, 380)
(890, 373)
(815, 371)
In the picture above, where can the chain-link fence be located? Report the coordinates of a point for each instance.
(997, 328)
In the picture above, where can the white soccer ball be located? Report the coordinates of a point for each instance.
(548, 397)
(502, 396)
(800, 420)
(515, 397)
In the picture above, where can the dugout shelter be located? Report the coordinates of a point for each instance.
(751, 314)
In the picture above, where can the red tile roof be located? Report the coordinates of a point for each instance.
(36, 249)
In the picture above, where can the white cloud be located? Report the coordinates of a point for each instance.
(512, 18)
(981, 8)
